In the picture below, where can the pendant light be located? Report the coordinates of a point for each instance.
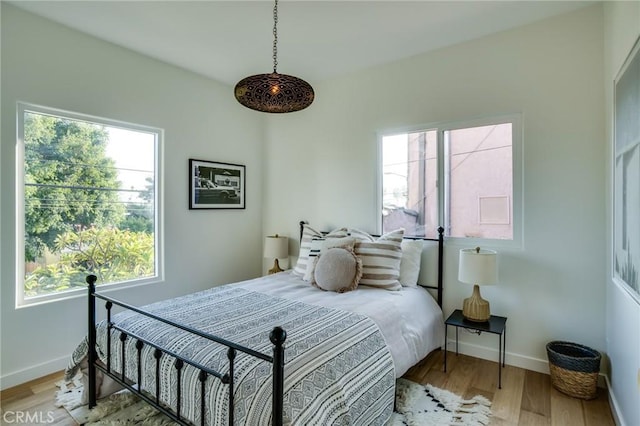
(274, 92)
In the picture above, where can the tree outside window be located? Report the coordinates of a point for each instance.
(89, 202)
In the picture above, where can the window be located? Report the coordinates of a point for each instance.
(459, 175)
(88, 203)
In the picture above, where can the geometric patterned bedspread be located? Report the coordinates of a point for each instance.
(338, 369)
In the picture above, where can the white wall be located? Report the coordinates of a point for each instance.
(621, 30)
(322, 165)
(48, 64)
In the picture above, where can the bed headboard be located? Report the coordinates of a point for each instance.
(440, 275)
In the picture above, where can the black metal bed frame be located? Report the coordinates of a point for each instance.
(440, 240)
(277, 337)
(440, 287)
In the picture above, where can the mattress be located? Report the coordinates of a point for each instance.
(410, 319)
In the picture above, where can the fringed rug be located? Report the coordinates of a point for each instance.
(416, 405)
(426, 405)
(118, 409)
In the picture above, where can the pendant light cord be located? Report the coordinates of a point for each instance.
(275, 37)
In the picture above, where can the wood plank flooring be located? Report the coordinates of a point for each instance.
(526, 398)
(32, 403)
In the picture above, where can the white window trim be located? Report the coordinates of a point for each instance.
(517, 151)
(21, 108)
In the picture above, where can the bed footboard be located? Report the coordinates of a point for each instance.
(277, 338)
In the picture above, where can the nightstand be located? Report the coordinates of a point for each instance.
(496, 325)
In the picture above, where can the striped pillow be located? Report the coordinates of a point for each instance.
(308, 233)
(381, 258)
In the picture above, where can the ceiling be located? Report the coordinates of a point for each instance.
(228, 40)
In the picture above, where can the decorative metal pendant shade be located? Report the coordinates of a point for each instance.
(274, 93)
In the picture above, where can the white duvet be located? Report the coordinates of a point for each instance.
(410, 319)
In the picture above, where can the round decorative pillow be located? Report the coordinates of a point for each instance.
(338, 269)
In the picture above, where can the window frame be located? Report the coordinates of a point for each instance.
(22, 107)
(517, 242)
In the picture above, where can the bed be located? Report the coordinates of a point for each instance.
(272, 350)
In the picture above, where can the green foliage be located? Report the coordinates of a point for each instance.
(140, 217)
(111, 254)
(137, 222)
(148, 193)
(65, 167)
(73, 212)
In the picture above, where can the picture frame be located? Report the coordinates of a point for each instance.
(626, 175)
(216, 185)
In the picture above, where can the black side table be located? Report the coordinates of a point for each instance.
(496, 325)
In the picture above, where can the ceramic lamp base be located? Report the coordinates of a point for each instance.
(276, 268)
(475, 308)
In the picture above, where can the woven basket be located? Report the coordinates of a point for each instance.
(574, 368)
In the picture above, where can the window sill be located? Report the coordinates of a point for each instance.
(82, 292)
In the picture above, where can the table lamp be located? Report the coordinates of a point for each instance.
(477, 267)
(276, 247)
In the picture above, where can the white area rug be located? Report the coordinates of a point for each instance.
(416, 405)
(119, 409)
(426, 405)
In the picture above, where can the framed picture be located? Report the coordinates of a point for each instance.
(626, 175)
(214, 185)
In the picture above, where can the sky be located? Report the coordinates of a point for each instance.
(134, 155)
(394, 158)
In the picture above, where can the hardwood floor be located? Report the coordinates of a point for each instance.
(526, 398)
(32, 403)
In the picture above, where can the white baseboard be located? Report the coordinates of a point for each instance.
(491, 354)
(32, 373)
(534, 364)
(613, 403)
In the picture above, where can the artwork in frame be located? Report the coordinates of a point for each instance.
(214, 185)
(626, 170)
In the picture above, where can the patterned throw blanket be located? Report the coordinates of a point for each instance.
(338, 369)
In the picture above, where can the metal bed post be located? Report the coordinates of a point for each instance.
(230, 380)
(91, 280)
(203, 378)
(440, 263)
(178, 364)
(277, 337)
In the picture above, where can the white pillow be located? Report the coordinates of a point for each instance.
(410, 263)
(320, 246)
(308, 233)
(380, 258)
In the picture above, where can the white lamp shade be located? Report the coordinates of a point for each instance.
(478, 267)
(276, 247)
